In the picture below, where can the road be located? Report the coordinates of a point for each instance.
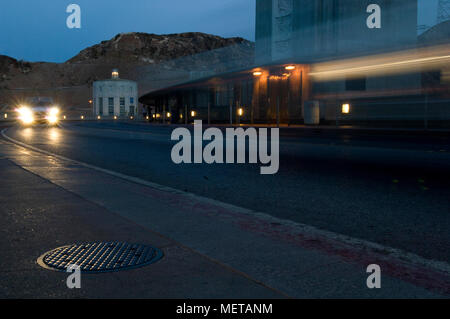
(387, 188)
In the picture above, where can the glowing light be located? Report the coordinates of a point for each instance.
(90, 101)
(82, 117)
(345, 108)
(26, 115)
(52, 119)
(131, 117)
(169, 114)
(6, 116)
(64, 117)
(402, 62)
(147, 117)
(257, 73)
(290, 67)
(115, 117)
(193, 113)
(240, 111)
(99, 117)
(52, 115)
(154, 115)
(54, 111)
(276, 77)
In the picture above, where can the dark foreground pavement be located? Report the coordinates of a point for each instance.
(212, 250)
(37, 215)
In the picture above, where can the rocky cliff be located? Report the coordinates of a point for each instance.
(144, 48)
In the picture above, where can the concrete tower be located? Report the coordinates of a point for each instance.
(443, 11)
(310, 29)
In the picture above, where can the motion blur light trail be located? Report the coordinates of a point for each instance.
(410, 61)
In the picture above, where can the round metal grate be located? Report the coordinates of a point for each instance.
(100, 257)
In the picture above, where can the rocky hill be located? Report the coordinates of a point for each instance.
(151, 60)
(144, 48)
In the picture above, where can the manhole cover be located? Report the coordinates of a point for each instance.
(100, 257)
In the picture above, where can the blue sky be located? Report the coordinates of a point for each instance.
(36, 30)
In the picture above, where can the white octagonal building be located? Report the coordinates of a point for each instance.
(115, 98)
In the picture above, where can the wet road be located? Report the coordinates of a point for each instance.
(389, 189)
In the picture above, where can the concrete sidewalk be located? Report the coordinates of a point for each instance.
(212, 250)
(37, 216)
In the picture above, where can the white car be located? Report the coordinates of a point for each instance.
(38, 110)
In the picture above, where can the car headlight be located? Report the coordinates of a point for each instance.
(52, 116)
(54, 111)
(24, 110)
(52, 119)
(26, 115)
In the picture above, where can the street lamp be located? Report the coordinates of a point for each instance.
(6, 116)
(168, 114)
(99, 117)
(82, 117)
(193, 113)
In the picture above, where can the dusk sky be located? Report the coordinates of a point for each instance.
(36, 30)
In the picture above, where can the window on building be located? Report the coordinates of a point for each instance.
(122, 106)
(100, 106)
(131, 110)
(131, 100)
(111, 106)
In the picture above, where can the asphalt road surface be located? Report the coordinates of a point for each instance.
(384, 187)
